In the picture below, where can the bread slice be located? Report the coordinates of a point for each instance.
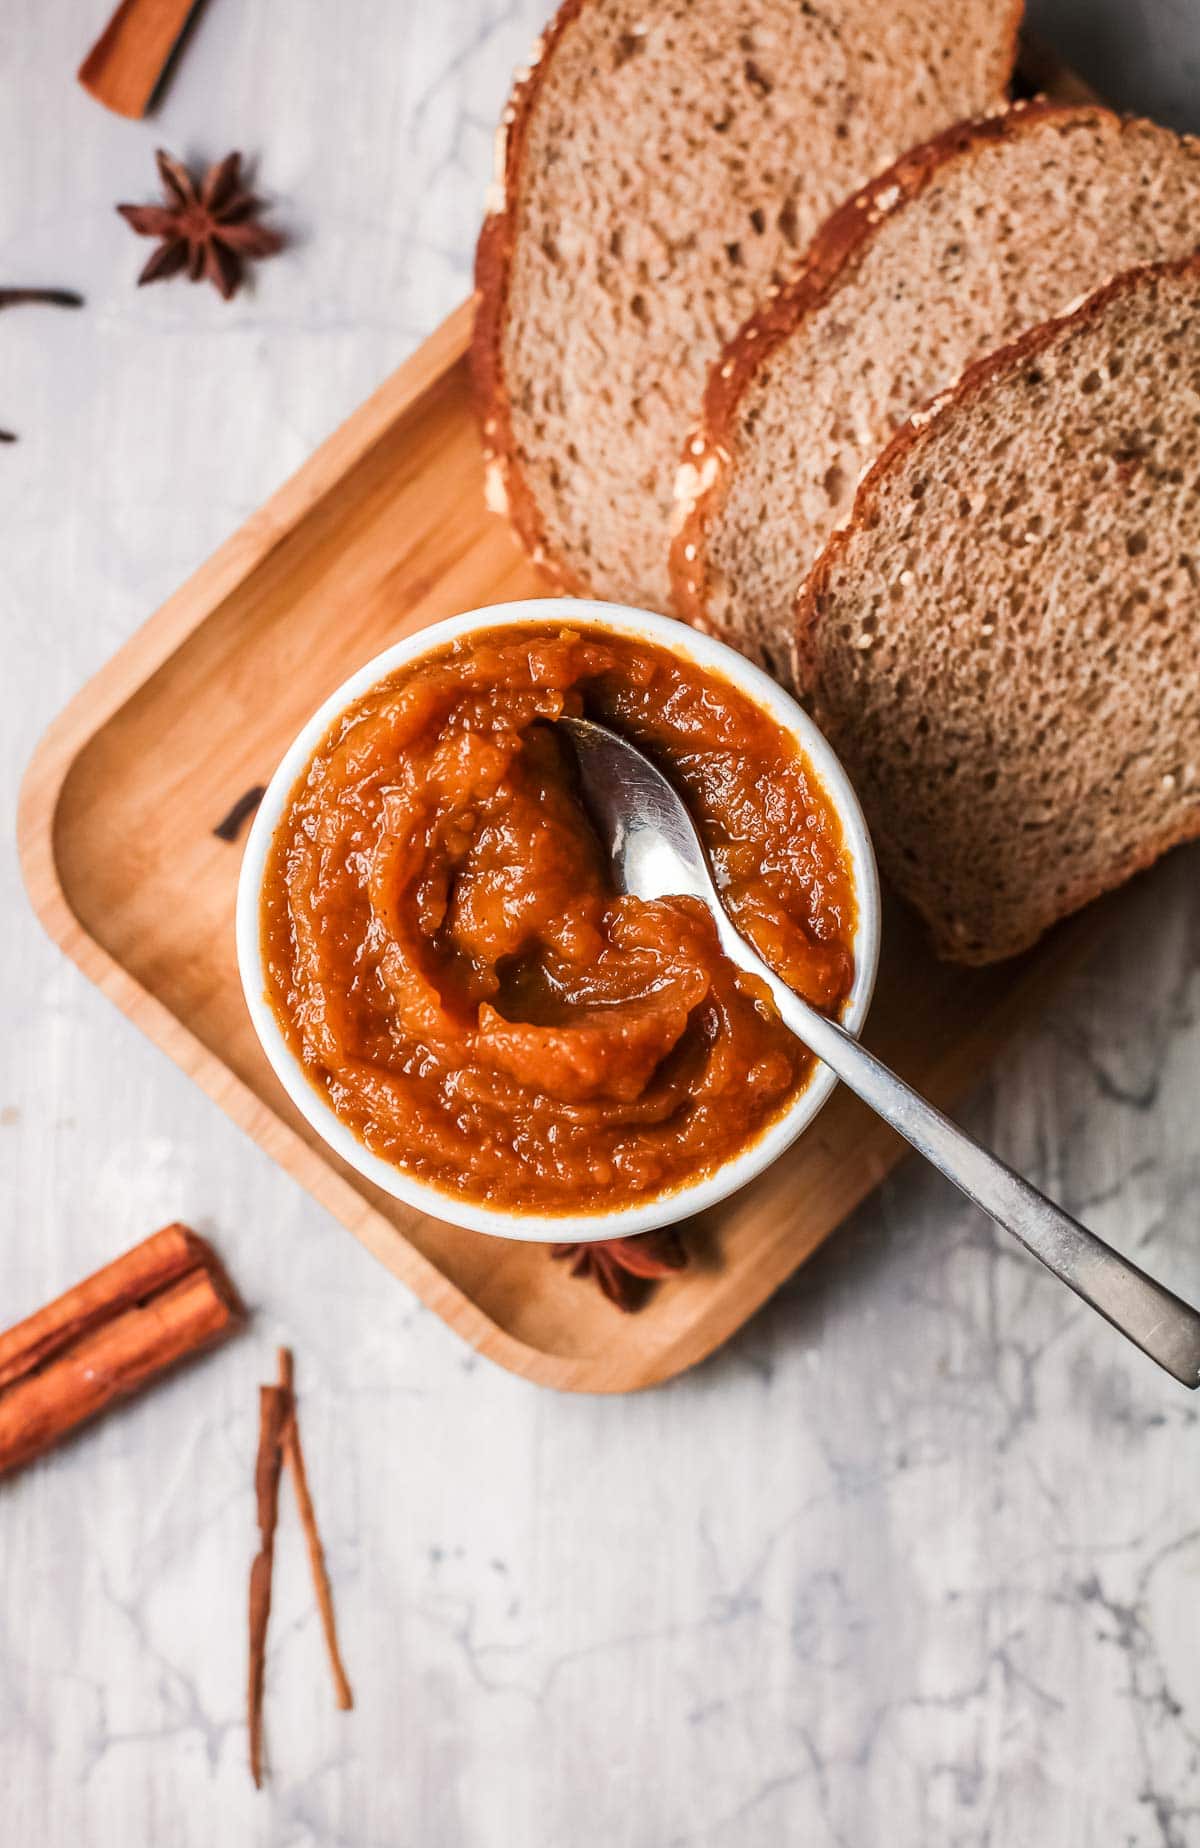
(1004, 644)
(663, 163)
(965, 243)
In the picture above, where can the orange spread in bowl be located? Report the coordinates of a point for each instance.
(446, 955)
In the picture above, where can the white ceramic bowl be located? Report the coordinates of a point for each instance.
(665, 1208)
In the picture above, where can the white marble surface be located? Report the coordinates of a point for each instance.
(915, 1561)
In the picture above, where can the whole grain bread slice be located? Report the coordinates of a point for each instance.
(1004, 643)
(662, 164)
(988, 230)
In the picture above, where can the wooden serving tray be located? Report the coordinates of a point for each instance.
(383, 530)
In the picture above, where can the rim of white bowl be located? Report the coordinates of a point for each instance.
(574, 1227)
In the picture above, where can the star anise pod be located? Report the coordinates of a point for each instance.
(623, 1266)
(207, 229)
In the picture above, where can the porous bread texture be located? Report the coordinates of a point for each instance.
(1004, 646)
(664, 163)
(965, 243)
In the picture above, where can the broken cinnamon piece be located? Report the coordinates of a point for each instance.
(294, 1458)
(230, 825)
(273, 1408)
(46, 298)
(127, 63)
(166, 1299)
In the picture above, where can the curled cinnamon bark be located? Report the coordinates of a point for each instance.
(293, 1456)
(166, 1299)
(279, 1443)
(273, 1409)
(48, 298)
(130, 58)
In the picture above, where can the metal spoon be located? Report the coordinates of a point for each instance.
(657, 853)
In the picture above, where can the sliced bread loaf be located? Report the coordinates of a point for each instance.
(663, 163)
(965, 243)
(1004, 644)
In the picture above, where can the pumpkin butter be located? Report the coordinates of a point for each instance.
(446, 954)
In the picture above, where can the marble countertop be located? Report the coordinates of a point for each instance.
(915, 1560)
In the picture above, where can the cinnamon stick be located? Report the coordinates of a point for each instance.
(279, 1443)
(128, 61)
(137, 1274)
(273, 1408)
(293, 1456)
(166, 1299)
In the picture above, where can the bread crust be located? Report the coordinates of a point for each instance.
(706, 467)
(920, 430)
(507, 487)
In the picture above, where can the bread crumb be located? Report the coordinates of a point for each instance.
(495, 199)
(536, 53)
(691, 482)
(495, 494)
(886, 199)
(920, 419)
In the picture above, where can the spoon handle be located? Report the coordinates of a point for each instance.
(1153, 1317)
